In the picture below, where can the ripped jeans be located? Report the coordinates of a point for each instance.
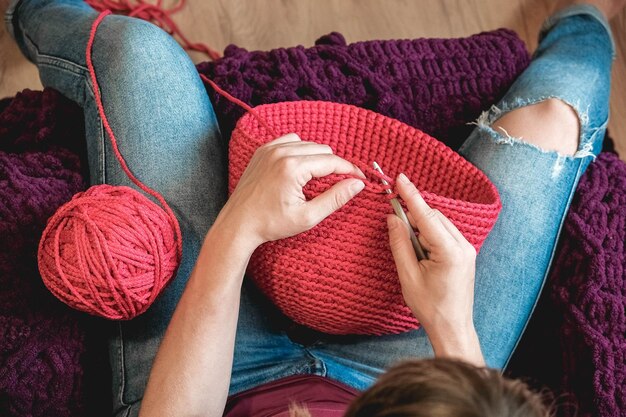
(144, 73)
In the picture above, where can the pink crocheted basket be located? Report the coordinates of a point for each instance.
(340, 276)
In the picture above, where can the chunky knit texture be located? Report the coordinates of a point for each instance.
(41, 340)
(589, 288)
(340, 276)
(436, 85)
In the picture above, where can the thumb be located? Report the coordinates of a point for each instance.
(401, 248)
(333, 199)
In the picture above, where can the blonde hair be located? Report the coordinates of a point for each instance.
(448, 388)
(444, 388)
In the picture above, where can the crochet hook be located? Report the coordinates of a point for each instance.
(397, 208)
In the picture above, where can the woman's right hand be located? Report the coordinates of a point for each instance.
(438, 290)
(268, 202)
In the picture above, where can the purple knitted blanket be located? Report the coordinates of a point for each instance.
(435, 85)
(41, 342)
(588, 288)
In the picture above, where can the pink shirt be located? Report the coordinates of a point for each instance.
(322, 396)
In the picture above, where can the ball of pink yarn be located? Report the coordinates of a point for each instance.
(109, 251)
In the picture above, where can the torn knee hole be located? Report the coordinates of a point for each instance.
(551, 125)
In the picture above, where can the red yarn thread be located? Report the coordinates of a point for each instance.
(240, 103)
(374, 186)
(107, 126)
(156, 14)
(382, 187)
(110, 250)
(160, 16)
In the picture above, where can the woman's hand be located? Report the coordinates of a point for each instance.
(268, 202)
(439, 290)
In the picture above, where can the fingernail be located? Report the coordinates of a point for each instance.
(356, 187)
(403, 179)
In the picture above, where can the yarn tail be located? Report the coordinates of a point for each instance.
(158, 15)
(240, 103)
(107, 126)
(374, 186)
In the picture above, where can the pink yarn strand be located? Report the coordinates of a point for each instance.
(107, 127)
(156, 14)
(240, 103)
(375, 186)
(379, 187)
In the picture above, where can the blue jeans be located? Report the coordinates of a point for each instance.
(168, 133)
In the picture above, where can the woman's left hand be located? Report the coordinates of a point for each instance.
(439, 290)
(268, 202)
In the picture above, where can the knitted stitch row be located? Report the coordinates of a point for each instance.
(340, 276)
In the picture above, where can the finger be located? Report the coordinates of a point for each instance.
(447, 223)
(305, 148)
(316, 166)
(424, 242)
(289, 137)
(426, 219)
(401, 248)
(302, 148)
(458, 236)
(330, 200)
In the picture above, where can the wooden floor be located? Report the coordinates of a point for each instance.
(265, 24)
